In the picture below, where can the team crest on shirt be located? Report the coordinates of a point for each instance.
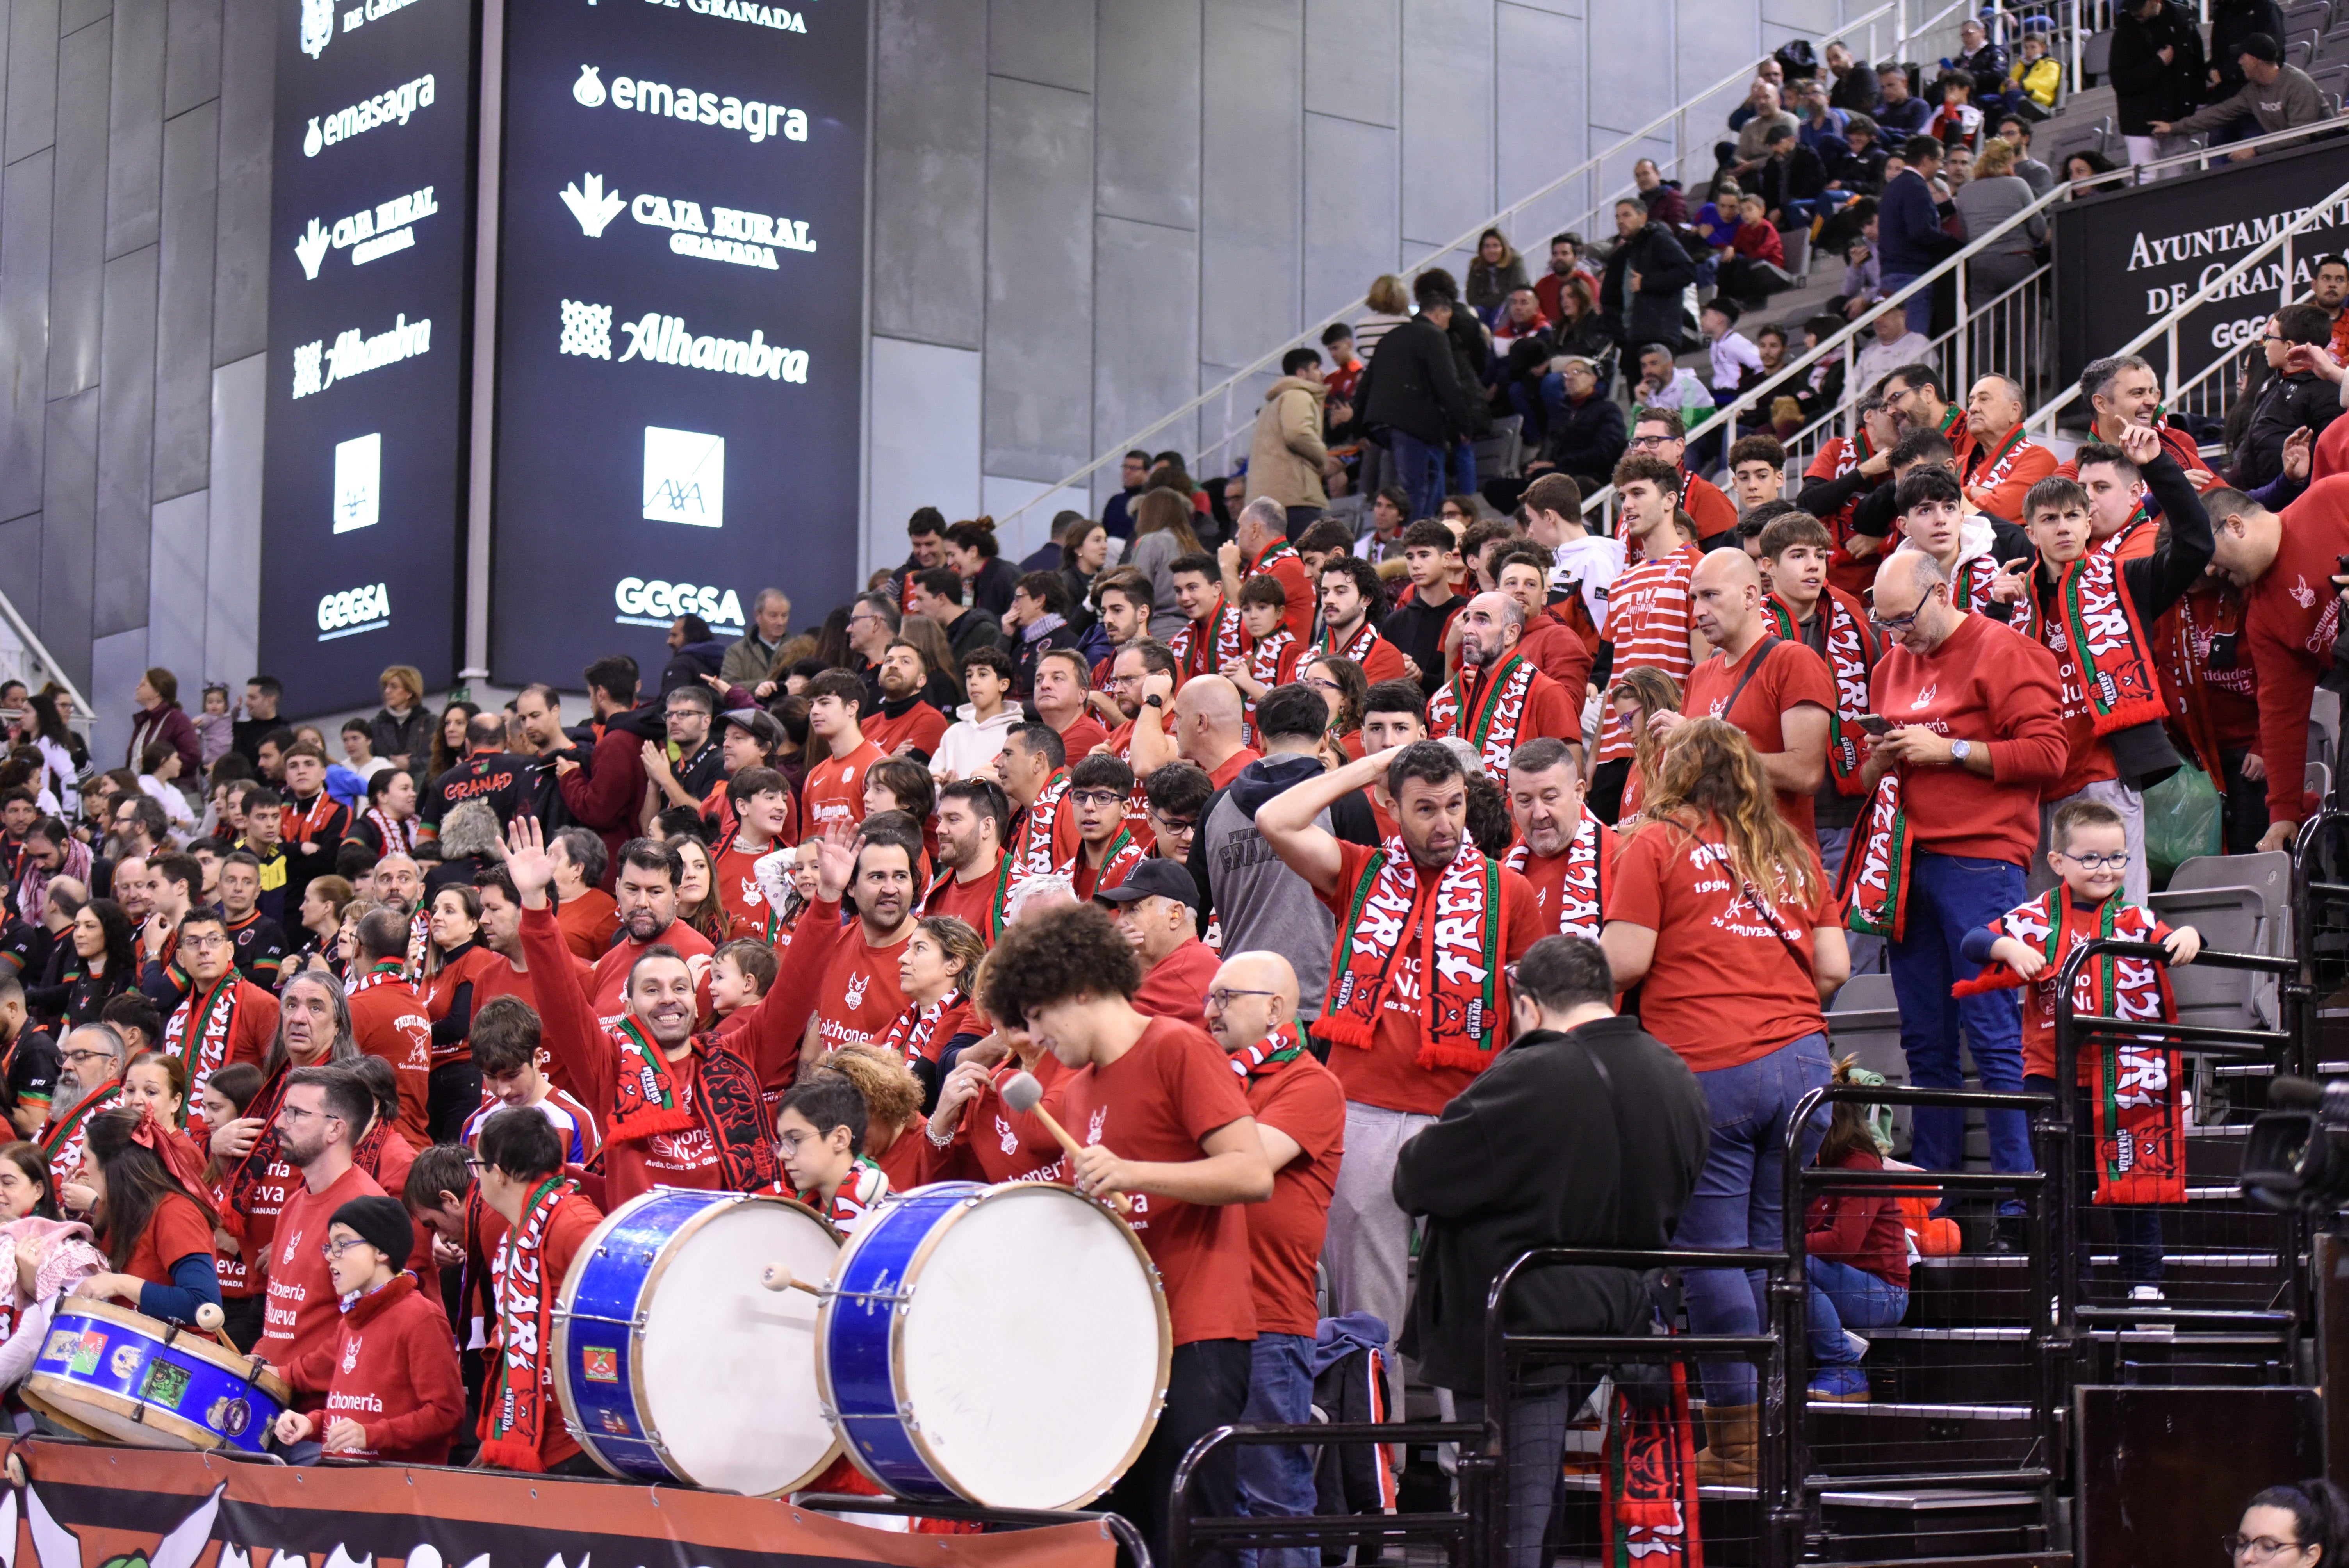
(1924, 698)
(2302, 594)
(351, 1355)
(1008, 1139)
(856, 990)
(1094, 1130)
(750, 893)
(287, 1258)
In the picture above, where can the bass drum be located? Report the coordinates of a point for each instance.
(678, 1365)
(1007, 1345)
(110, 1373)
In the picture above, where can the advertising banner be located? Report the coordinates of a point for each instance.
(2126, 259)
(370, 255)
(82, 1506)
(680, 376)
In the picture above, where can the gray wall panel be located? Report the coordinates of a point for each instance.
(68, 557)
(77, 232)
(32, 76)
(929, 171)
(233, 543)
(117, 662)
(1146, 332)
(1252, 177)
(1352, 68)
(247, 91)
(20, 562)
(1039, 149)
(1050, 42)
(134, 140)
(23, 332)
(175, 586)
(1447, 121)
(923, 413)
(1623, 101)
(1147, 135)
(1350, 212)
(73, 15)
(184, 313)
(126, 440)
(1542, 125)
(194, 69)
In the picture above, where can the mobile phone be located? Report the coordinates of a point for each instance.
(1873, 723)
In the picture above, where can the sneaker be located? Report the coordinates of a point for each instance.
(1839, 1385)
(2011, 1238)
(2143, 1295)
(1859, 1345)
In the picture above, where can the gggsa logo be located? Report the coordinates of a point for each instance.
(656, 603)
(353, 610)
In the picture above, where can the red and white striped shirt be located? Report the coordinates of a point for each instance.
(1648, 625)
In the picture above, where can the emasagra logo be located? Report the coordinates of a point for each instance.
(672, 100)
(391, 107)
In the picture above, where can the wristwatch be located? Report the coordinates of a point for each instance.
(1153, 700)
(1959, 751)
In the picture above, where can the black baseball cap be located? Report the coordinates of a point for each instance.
(1153, 879)
(764, 726)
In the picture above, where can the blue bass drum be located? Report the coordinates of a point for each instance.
(1007, 1346)
(676, 1364)
(113, 1375)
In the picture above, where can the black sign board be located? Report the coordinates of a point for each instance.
(2125, 259)
(372, 223)
(680, 363)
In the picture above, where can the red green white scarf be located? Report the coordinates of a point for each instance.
(2140, 1121)
(1264, 661)
(61, 1145)
(1851, 660)
(1226, 641)
(1648, 1504)
(1454, 923)
(1492, 717)
(1031, 849)
(1270, 1055)
(1357, 646)
(646, 1104)
(912, 1034)
(1117, 864)
(1970, 583)
(517, 1416)
(1582, 896)
(1271, 553)
(199, 1030)
(643, 1096)
(1991, 465)
(398, 834)
(1876, 873)
(2097, 615)
(382, 972)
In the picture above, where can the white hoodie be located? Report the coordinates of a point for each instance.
(969, 744)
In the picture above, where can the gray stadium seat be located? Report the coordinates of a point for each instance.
(2096, 53)
(1503, 451)
(2238, 904)
(2311, 15)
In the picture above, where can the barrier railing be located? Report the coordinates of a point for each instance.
(1460, 1528)
(32, 663)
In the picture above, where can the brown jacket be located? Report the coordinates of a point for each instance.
(1286, 456)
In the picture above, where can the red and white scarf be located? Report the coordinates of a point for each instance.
(1876, 875)
(1995, 465)
(1031, 849)
(1117, 864)
(912, 1034)
(1851, 660)
(521, 1409)
(2094, 615)
(199, 1030)
(1270, 1055)
(1271, 553)
(1226, 641)
(646, 1104)
(1970, 583)
(1264, 661)
(382, 972)
(1491, 717)
(2140, 1119)
(398, 834)
(1455, 921)
(1582, 896)
(1357, 646)
(62, 1144)
(303, 824)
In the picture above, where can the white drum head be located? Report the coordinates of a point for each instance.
(728, 1366)
(1034, 1354)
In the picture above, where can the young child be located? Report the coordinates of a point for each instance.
(1754, 265)
(1958, 123)
(1273, 649)
(2035, 76)
(739, 973)
(1855, 1248)
(505, 1040)
(820, 1131)
(393, 1391)
(2130, 1118)
(215, 726)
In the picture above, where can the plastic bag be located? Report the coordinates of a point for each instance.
(2181, 820)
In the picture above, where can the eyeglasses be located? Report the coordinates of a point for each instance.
(1650, 443)
(296, 1113)
(1221, 997)
(331, 1249)
(203, 943)
(2098, 862)
(682, 713)
(1324, 684)
(1903, 623)
(1173, 824)
(2255, 1548)
(1095, 796)
(78, 1059)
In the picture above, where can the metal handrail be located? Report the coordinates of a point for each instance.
(40, 650)
(1257, 366)
(2136, 174)
(2042, 420)
(1314, 1529)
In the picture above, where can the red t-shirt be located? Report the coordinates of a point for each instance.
(589, 923)
(1303, 1100)
(1546, 874)
(1288, 570)
(834, 790)
(2292, 617)
(177, 1229)
(921, 725)
(1080, 738)
(393, 1368)
(972, 901)
(1790, 675)
(302, 1310)
(859, 997)
(390, 1021)
(1176, 986)
(1156, 1102)
(738, 891)
(1558, 651)
(995, 1143)
(1722, 990)
(1224, 772)
(1389, 1075)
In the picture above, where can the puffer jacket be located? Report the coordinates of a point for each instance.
(1286, 455)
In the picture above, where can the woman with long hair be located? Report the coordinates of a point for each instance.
(223, 1099)
(1638, 695)
(893, 1107)
(1345, 690)
(972, 1135)
(1494, 272)
(104, 963)
(2291, 1527)
(697, 904)
(63, 754)
(1162, 534)
(1855, 1249)
(972, 552)
(450, 742)
(934, 970)
(157, 1080)
(1721, 917)
(151, 1213)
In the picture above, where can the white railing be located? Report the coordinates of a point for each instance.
(2201, 158)
(24, 656)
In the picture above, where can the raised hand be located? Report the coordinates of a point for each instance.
(527, 861)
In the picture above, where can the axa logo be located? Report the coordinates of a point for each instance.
(359, 482)
(676, 101)
(353, 610)
(371, 232)
(654, 602)
(685, 477)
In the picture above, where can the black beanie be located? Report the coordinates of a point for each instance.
(383, 1223)
(2260, 46)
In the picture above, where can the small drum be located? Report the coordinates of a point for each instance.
(1007, 1345)
(109, 1373)
(677, 1364)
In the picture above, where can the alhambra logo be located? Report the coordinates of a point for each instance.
(658, 339)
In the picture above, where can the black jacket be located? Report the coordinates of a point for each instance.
(1857, 90)
(1585, 438)
(691, 663)
(1589, 1139)
(991, 589)
(1798, 176)
(2288, 403)
(2144, 89)
(2232, 21)
(973, 629)
(1654, 313)
(1414, 386)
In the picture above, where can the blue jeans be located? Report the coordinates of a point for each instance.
(1919, 309)
(1419, 468)
(1738, 1198)
(1844, 1297)
(1950, 895)
(1464, 468)
(1279, 1481)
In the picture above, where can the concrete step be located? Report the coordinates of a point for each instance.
(1993, 1289)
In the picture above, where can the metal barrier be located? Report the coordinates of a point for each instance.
(1460, 1528)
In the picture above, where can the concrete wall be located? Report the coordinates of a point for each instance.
(1085, 213)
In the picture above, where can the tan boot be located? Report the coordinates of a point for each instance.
(1728, 1456)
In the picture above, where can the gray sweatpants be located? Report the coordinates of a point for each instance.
(1367, 1249)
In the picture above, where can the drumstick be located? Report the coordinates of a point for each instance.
(1022, 1093)
(778, 1277)
(209, 1317)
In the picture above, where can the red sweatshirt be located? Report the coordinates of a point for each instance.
(1861, 1229)
(2290, 617)
(391, 1367)
(1988, 685)
(300, 1318)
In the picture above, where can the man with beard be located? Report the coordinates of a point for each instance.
(859, 995)
(502, 934)
(1499, 700)
(906, 723)
(1035, 775)
(1403, 1041)
(225, 1018)
(397, 882)
(646, 895)
(313, 1030)
(678, 1109)
(1564, 851)
(89, 1081)
(1351, 590)
(1123, 596)
(320, 1118)
(973, 814)
(689, 763)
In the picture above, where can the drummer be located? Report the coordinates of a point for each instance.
(547, 1221)
(146, 1202)
(821, 1129)
(1163, 1116)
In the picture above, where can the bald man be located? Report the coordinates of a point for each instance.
(1778, 692)
(1300, 1116)
(2000, 467)
(1500, 700)
(1207, 716)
